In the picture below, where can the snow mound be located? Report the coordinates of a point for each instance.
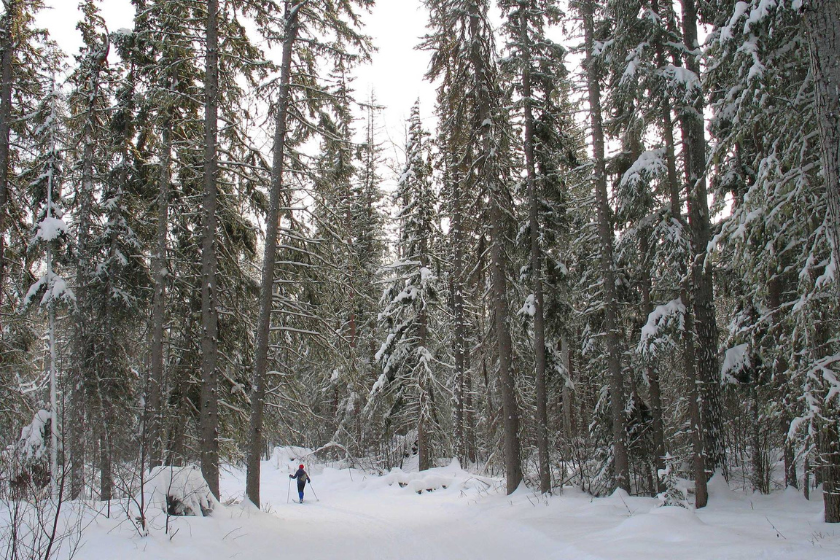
(179, 491)
(719, 489)
(667, 523)
(418, 482)
(440, 478)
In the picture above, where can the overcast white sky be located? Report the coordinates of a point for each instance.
(395, 74)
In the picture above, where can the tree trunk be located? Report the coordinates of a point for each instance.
(423, 451)
(688, 358)
(702, 288)
(780, 368)
(8, 47)
(489, 176)
(209, 424)
(569, 427)
(255, 433)
(759, 466)
(806, 473)
(106, 482)
(176, 444)
(688, 344)
(605, 235)
(789, 457)
(159, 275)
(469, 404)
(821, 19)
(536, 257)
(652, 371)
(77, 438)
(827, 463)
(81, 343)
(459, 342)
(698, 461)
(510, 409)
(829, 466)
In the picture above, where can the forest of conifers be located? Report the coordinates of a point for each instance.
(610, 263)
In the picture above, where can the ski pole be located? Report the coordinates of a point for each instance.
(313, 491)
(289, 491)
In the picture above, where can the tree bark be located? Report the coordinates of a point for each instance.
(829, 467)
(702, 287)
(209, 423)
(569, 427)
(423, 451)
(424, 448)
(255, 433)
(159, 274)
(456, 283)
(688, 357)
(77, 438)
(821, 19)
(469, 426)
(510, 409)
(8, 47)
(605, 235)
(106, 482)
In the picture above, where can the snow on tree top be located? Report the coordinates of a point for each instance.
(735, 360)
(33, 437)
(50, 228)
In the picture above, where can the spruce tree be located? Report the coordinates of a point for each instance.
(407, 357)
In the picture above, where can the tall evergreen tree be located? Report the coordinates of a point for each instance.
(209, 292)
(462, 38)
(605, 235)
(89, 102)
(538, 63)
(410, 370)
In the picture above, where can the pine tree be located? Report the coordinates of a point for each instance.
(773, 243)
(534, 53)
(209, 287)
(820, 20)
(410, 371)
(702, 288)
(605, 235)
(461, 36)
(255, 436)
(29, 60)
(164, 56)
(50, 237)
(89, 103)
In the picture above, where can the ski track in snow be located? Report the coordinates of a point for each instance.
(365, 518)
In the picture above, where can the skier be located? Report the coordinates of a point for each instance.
(302, 479)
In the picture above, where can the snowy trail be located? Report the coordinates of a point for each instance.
(391, 522)
(374, 518)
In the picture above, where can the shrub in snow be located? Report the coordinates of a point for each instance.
(25, 465)
(179, 491)
(675, 487)
(33, 438)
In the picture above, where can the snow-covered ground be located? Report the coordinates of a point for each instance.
(466, 517)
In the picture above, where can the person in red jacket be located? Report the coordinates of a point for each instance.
(302, 479)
